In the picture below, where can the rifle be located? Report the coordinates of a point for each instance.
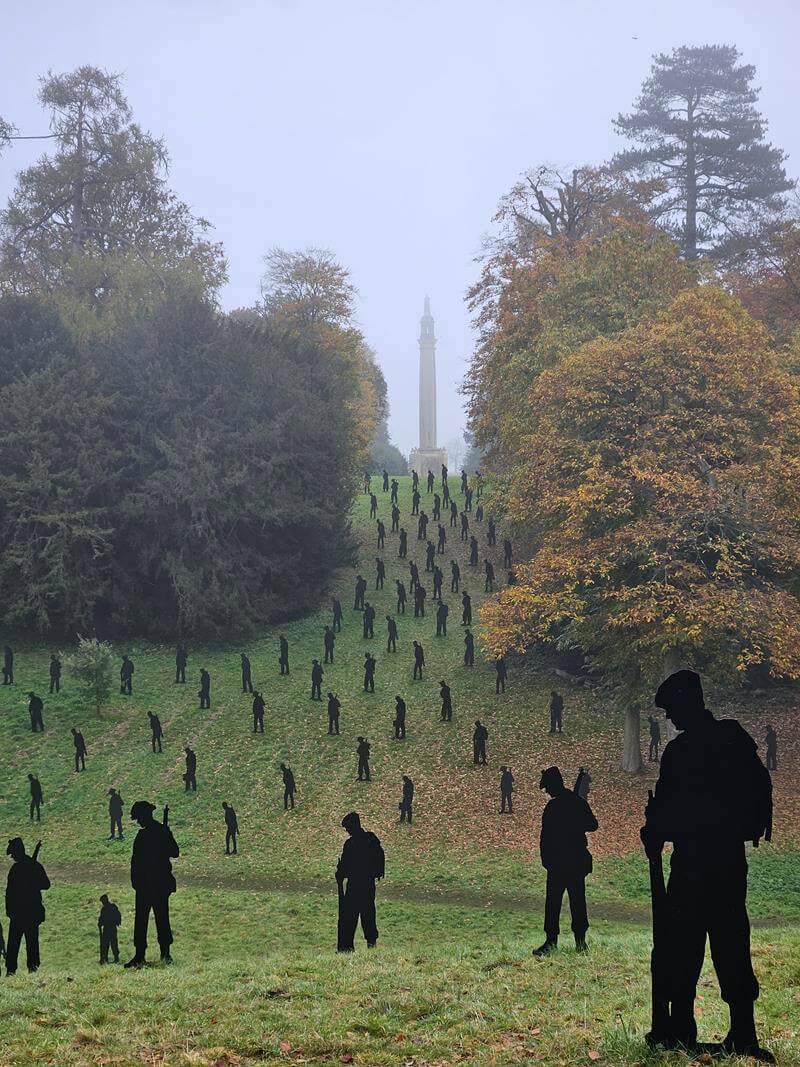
(35, 855)
(660, 1024)
(165, 820)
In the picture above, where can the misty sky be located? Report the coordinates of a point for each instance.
(385, 130)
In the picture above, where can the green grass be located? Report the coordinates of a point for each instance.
(461, 905)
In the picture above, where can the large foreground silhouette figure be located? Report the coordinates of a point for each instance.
(566, 820)
(362, 863)
(713, 794)
(24, 907)
(153, 881)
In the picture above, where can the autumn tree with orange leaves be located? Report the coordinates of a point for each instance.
(657, 482)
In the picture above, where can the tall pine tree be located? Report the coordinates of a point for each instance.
(700, 135)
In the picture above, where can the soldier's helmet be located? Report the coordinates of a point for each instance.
(682, 689)
(352, 821)
(142, 808)
(551, 780)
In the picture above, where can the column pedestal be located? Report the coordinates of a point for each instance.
(422, 460)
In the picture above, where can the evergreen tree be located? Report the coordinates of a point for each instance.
(701, 136)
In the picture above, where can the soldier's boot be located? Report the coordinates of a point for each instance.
(165, 955)
(683, 1028)
(137, 961)
(550, 945)
(580, 943)
(742, 1039)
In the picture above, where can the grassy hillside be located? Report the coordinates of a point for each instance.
(459, 911)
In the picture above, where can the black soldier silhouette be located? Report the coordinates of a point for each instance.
(655, 739)
(436, 511)
(8, 665)
(771, 743)
(444, 475)
(401, 597)
(258, 712)
(380, 573)
(283, 655)
(566, 820)
(395, 488)
(369, 673)
(556, 710)
(367, 481)
(152, 879)
(37, 797)
(488, 568)
(385, 485)
(414, 480)
(402, 549)
(108, 923)
(289, 786)
(231, 828)
(156, 731)
(441, 539)
(399, 723)
(190, 774)
(491, 532)
(35, 710)
(441, 619)
(317, 674)
(361, 864)
(80, 748)
(334, 708)
(713, 794)
(511, 577)
(126, 676)
(27, 881)
(420, 593)
(413, 572)
(181, 659)
(391, 634)
(115, 813)
(361, 589)
(422, 527)
(473, 552)
(446, 714)
(373, 506)
(464, 527)
(55, 674)
(395, 518)
(468, 500)
(501, 672)
(419, 660)
(480, 736)
(431, 481)
(329, 643)
(205, 689)
(381, 534)
(430, 554)
(437, 583)
(407, 802)
(455, 576)
(336, 606)
(508, 554)
(415, 499)
(479, 513)
(362, 751)
(469, 649)
(453, 513)
(464, 480)
(247, 680)
(506, 791)
(466, 609)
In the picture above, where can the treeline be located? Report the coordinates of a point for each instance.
(635, 392)
(165, 469)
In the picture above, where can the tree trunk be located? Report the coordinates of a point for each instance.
(690, 232)
(631, 746)
(77, 189)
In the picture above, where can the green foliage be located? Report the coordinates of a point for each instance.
(181, 471)
(92, 665)
(386, 456)
(100, 196)
(701, 137)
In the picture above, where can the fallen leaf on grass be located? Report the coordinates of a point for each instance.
(536, 1031)
(346, 1057)
(594, 1054)
(285, 1046)
(400, 1037)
